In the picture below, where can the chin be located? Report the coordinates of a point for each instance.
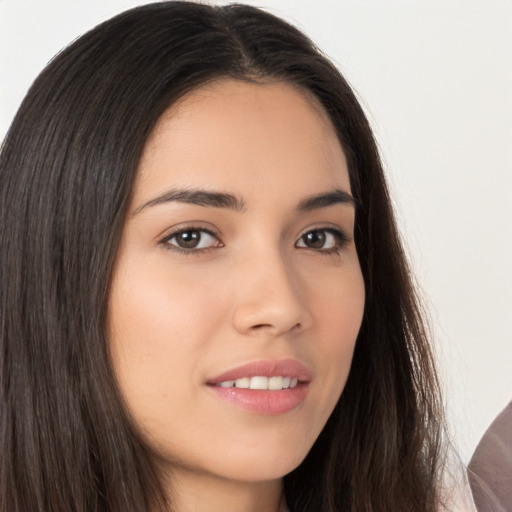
(261, 464)
(258, 462)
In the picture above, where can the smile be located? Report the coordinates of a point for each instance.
(266, 387)
(260, 382)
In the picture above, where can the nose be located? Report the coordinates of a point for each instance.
(271, 298)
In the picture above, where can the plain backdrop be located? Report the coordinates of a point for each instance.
(435, 78)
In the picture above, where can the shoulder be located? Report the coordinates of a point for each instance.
(490, 469)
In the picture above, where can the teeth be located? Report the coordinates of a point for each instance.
(275, 383)
(243, 382)
(260, 382)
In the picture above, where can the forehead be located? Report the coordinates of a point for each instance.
(237, 135)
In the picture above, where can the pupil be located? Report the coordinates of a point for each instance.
(188, 239)
(315, 239)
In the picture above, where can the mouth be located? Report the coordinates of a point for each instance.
(275, 383)
(267, 387)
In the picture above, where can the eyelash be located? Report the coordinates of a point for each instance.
(341, 238)
(171, 247)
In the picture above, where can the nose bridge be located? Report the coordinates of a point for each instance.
(271, 297)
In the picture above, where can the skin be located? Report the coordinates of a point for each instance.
(254, 289)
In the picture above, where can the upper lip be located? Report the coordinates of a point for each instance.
(266, 368)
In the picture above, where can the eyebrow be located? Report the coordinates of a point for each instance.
(325, 200)
(231, 202)
(199, 197)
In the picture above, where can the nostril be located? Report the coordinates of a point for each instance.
(261, 314)
(260, 327)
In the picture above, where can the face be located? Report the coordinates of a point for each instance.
(237, 294)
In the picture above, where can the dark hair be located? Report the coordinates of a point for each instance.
(67, 167)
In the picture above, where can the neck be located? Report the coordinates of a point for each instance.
(203, 493)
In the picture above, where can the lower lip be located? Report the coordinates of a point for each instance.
(262, 401)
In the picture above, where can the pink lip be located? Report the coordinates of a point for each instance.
(265, 402)
(266, 368)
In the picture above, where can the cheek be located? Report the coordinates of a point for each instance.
(154, 304)
(339, 311)
(158, 324)
(338, 301)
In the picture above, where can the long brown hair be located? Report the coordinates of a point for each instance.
(66, 171)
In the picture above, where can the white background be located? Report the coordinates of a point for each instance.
(436, 80)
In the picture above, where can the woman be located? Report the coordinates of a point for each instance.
(205, 304)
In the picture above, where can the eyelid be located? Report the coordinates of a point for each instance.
(332, 228)
(176, 230)
(342, 237)
(197, 225)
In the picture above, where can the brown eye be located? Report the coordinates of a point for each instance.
(314, 239)
(322, 240)
(188, 239)
(192, 239)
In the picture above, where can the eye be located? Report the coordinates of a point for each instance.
(191, 239)
(323, 240)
